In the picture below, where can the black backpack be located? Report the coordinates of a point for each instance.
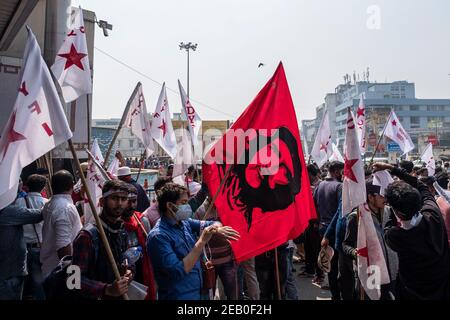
(55, 284)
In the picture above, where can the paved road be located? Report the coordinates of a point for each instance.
(306, 290)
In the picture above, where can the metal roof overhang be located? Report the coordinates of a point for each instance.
(13, 14)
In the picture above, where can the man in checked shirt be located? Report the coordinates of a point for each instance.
(97, 277)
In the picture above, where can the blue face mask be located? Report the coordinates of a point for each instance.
(184, 212)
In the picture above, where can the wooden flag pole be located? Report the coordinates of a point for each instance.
(96, 217)
(379, 140)
(277, 274)
(140, 225)
(122, 121)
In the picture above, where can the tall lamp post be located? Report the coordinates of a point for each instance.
(188, 46)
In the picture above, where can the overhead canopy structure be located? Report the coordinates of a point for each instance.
(13, 14)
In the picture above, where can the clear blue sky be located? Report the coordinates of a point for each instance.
(318, 41)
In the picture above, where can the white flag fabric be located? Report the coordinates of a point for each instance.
(361, 124)
(395, 132)
(113, 167)
(37, 123)
(322, 148)
(382, 179)
(71, 67)
(138, 121)
(185, 157)
(95, 182)
(190, 115)
(162, 130)
(354, 184)
(428, 158)
(336, 156)
(372, 268)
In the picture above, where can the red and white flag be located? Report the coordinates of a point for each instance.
(354, 184)
(71, 67)
(361, 124)
(372, 269)
(95, 182)
(190, 115)
(113, 167)
(138, 121)
(322, 149)
(428, 158)
(336, 156)
(162, 130)
(37, 123)
(394, 131)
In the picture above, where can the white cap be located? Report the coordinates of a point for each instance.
(123, 171)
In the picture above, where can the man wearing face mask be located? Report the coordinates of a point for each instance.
(97, 278)
(176, 243)
(137, 227)
(416, 231)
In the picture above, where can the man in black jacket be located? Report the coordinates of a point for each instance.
(416, 231)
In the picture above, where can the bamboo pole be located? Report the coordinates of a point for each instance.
(122, 121)
(277, 274)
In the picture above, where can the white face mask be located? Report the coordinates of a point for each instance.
(184, 212)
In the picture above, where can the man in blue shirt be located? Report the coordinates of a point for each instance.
(173, 248)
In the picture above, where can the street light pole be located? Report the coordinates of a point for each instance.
(188, 46)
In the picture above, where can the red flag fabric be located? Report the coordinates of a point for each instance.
(267, 197)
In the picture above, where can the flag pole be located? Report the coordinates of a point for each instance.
(88, 194)
(277, 274)
(361, 289)
(379, 140)
(122, 121)
(140, 165)
(96, 217)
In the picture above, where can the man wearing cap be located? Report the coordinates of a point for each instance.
(124, 174)
(97, 277)
(416, 231)
(380, 214)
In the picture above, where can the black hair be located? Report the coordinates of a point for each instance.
(438, 170)
(62, 181)
(170, 192)
(407, 165)
(405, 199)
(36, 183)
(429, 180)
(117, 185)
(335, 166)
(161, 182)
(313, 170)
(442, 180)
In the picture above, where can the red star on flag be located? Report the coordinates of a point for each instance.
(12, 135)
(364, 252)
(73, 58)
(360, 112)
(394, 123)
(163, 128)
(324, 147)
(348, 171)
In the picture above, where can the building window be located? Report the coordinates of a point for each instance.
(415, 122)
(414, 108)
(131, 143)
(431, 108)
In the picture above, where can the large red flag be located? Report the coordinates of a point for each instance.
(267, 197)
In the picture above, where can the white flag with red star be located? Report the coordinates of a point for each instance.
(190, 114)
(394, 131)
(336, 156)
(71, 67)
(95, 182)
(185, 156)
(138, 121)
(322, 149)
(361, 124)
(37, 123)
(162, 130)
(372, 269)
(428, 158)
(113, 167)
(354, 184)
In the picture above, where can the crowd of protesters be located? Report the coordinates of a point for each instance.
(184, 251)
